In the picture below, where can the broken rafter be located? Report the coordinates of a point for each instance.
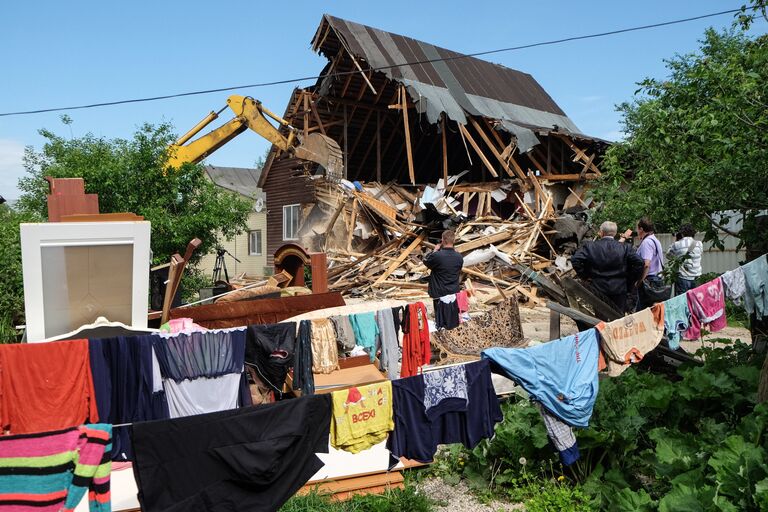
(406, 127)
(492, 147)
(477, 149)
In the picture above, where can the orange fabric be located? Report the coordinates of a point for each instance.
(46, 386)
(416, 348)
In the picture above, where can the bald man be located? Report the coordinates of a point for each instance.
(609, 265)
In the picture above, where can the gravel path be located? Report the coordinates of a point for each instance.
(458, 497)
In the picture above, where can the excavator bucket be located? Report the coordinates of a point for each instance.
(322, 150)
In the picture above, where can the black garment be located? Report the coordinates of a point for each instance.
(253, 458)
(610, 265)
(302, 368)
(445, 265)
(397, 316)
(416, 436)
(270, 350)
(122, 380)
(446, 315)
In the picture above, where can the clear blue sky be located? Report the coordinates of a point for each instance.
(69, 53)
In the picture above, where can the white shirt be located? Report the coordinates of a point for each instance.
(691, 268)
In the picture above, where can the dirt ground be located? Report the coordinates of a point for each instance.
(458, 497)
(535, 323)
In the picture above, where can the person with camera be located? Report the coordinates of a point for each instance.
(651, 287)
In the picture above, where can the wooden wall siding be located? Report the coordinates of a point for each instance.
(283, 187)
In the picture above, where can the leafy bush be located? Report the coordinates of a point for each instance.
(394, 500)
(695, 443)
(11, 281)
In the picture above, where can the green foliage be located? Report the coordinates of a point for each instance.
(395, 500)
(696, 442)
(543, 495)
(695, 141)
(128, 175)
(11, 281)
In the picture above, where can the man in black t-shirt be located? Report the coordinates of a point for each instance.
(445, 264)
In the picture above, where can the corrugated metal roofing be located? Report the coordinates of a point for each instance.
(242, 180)
(457, 87)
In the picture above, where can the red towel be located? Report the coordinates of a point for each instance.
(46, 386)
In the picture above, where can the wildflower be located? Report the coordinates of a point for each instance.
(560, 478)
(522, 461)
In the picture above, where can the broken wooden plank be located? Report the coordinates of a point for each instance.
(406, 127)
(481, 242)
(401, 257)
(477, 149)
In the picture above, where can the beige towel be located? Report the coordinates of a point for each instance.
(628, 339)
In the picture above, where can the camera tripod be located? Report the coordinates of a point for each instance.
(221, 265)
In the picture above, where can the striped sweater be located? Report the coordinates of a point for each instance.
(52, 471)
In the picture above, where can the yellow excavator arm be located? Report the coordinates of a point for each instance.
(250, 113)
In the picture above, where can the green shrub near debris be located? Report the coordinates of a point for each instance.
(696, 443)
(395, 500)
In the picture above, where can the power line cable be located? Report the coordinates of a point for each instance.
(381, 68)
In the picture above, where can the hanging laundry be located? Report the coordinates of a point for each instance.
(366, 331)
(417, 434)
(45, 386)
(734, 285)
(677, 319)
(270, 350)
(127, 387)
(200, 354)
(176, 325)
(397, 317)
(362, 416)
(302, 368)
(561, 436)
(252, 458)
(325, 354)
(627, 339)
(202, 395)
(261, 393)
(462, 300)
(390, 347)
(756, 284)
(345, 335)
(52, 471)
(707, 305)
(446, 312)
(445, 390)
(416, 348)
(561, 374)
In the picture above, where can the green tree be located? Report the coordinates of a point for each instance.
(696, 142)
(129, 176)
(11, 281)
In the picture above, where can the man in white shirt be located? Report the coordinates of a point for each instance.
(691, 250)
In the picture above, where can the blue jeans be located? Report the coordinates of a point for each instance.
(682, 285)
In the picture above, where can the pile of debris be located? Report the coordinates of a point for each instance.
(376, 235)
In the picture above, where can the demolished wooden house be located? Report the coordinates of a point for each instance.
(408, 114)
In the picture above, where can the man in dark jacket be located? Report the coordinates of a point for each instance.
(445, 264)
(609, 265)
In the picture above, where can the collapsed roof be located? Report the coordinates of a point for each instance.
(443, 81)
(406, 111)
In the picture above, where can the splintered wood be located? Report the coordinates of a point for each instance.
(377, 239)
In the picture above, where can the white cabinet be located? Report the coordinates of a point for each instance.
(75, 272)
